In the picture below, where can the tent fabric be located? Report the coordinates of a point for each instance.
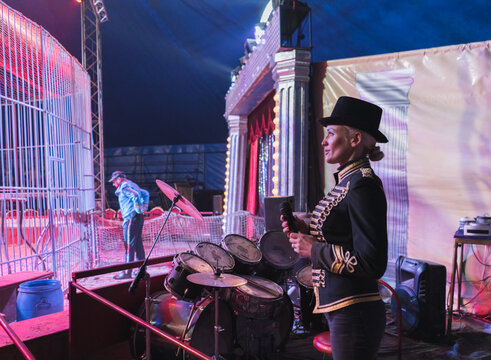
(437, 106)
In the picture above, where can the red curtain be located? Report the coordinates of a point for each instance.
(260, 123)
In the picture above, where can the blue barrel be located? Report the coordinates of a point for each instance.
(39, 297)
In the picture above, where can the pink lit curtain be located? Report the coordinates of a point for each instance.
(260, 123)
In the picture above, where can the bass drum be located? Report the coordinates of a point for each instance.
(171, 315)
(264, 338)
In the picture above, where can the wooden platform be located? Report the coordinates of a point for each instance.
(45, 336)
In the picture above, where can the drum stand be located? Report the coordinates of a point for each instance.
(217, 327)
(143, 274)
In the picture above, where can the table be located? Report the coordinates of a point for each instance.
(459, 241)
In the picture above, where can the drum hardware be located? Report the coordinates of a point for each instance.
(142, 273)
(217, 281)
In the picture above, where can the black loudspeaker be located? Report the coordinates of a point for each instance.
(272, 211)
(420, 286)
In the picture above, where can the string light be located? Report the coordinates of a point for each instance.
(276, 144)
(227, 175)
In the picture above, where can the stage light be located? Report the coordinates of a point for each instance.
(100, 10)
(78, 1)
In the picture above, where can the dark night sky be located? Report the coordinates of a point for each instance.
(167, 63)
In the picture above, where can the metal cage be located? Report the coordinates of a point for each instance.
(47, 179)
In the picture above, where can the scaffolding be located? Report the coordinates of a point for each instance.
(93, 13)
(47, 177)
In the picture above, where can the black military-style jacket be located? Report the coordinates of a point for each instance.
(350, 224)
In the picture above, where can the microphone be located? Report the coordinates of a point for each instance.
(287, 212)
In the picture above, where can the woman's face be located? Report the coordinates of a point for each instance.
(338, 147)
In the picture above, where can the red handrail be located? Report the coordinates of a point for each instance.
(141, 322)
(17, 341)
(399, 318)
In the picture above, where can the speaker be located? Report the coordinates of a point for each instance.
(272, 211)
(420, 286)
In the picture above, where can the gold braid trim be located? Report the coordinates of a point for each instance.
(336, 305)
(323, 209)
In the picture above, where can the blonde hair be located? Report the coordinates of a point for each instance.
(368, 143)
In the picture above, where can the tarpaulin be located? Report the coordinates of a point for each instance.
(437, 117)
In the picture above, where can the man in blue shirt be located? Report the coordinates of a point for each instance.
(133, 201)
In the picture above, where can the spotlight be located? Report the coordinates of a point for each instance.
(100, 9)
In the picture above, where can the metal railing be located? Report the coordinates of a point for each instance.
(17, 341)
(125, 313)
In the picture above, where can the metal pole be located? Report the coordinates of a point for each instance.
(148, 300)
(17, 341)
(141, 322)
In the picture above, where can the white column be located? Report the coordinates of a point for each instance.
(291, 74)
(237, 128)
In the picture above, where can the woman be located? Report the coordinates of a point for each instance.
(346, 237)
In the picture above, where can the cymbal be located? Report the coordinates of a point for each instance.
(213, 280)
(185, 205)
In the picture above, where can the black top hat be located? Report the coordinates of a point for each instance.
(358, 114)
(117, 174)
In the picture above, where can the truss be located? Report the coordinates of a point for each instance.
(93, 13)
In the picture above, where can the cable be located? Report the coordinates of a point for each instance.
(477, 257)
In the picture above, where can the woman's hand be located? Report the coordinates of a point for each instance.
(302, 221)
(302, 243)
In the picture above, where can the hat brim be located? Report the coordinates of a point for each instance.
(338, 120)
(114, 177)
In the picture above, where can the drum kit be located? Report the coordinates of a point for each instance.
(232, 288)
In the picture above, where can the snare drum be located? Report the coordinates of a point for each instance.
(304, 277)
(177, 283)
(245, 253)
(216, 256)
(278, 256)
(257, 299)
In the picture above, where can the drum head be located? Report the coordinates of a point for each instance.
(242, 248)
(304, 277)
(217, 257)
(195, 262)
(276, 249)
(261, 288)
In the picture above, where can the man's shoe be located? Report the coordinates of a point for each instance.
(125, 274)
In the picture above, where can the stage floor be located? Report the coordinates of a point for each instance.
(470, 338)
(467, 343)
